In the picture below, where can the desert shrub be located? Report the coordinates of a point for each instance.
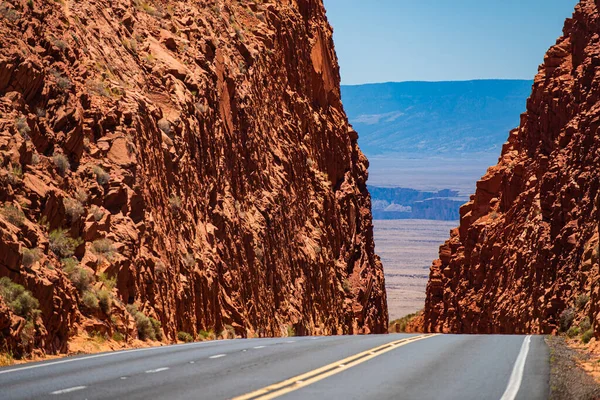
(175, 203)
(582, 301)
(165, 127)
(346, 286)
(81, 278)
(15, 174)
(585, 324)
(105, 300)
(23, 127)
(13, 215)
(35, 159)
(118, 337)
(63, 83)
(109, 283)
(61, 163)
(147, 329)
(573, 331)
(30, 256)
(40, 112)
(62, 244)
(228, 332)
(566, 319)
(157, 326)
(27, 335)
(400, 325)
(206, 335)
(73, 208)
(104, 248)
(81, 196)
(189, 260)
(184, 337)
(291, 332)
(20, 301)
(587, 336)
(97, 213)
(102, 177)
(61, 45)
(6, 359)
(90, 300)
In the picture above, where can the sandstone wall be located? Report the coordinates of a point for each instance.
(527, 245)
(235, 193)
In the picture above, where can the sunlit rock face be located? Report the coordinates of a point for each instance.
(191, 159)
(527, 246)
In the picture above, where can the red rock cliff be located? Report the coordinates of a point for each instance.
(190, 158)
(527, 246)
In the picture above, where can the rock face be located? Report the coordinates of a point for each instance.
(527, 246)
(193, 159)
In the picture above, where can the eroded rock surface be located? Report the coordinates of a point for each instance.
(527, 246)
(199, 153)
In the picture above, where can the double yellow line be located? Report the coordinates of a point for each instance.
(308, 378)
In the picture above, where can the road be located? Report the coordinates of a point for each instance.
(345, 367)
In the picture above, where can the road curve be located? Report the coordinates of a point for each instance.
(477, 367)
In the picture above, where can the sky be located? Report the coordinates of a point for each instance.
(439, 40)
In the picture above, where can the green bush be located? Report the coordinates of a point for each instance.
(184, 337)
(13, 215)
(587, 336)
(97, 213)
(61, 163)
(157, 326)
(109, 283)
(585, 324)
(204, 335)
(81, 278)
(30, 256)
(148, 328)
(118, 337)
(573, 331)
(73, 208)
(62, 244)
(20, 301)
(566, 319)
(104, 248)
(582, 301)
(105, 301)
(90, 300)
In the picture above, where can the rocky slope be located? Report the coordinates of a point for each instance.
(526, 251)
(189, 159)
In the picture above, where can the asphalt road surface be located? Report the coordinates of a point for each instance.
(345, 367)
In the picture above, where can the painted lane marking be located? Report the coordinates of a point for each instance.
(291, 341)
(259, 347)
(218, 356)
(192, 362)
(153, 371)
(308, 378)
(514, 383)
(69, 390)
(70, 360)
(123, 378)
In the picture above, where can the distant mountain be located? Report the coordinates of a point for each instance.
(435, 118)
(402, 203)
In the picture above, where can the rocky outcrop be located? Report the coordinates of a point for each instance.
(191, 159)
(527, 246)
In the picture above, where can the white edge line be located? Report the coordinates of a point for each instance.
(259, 347)
(68, 390)
(514, 383)
(153, 371)
(6, 371)
(218, 356)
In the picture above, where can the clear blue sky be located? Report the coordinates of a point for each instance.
(434, 40)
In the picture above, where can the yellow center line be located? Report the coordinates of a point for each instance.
(308, 378)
